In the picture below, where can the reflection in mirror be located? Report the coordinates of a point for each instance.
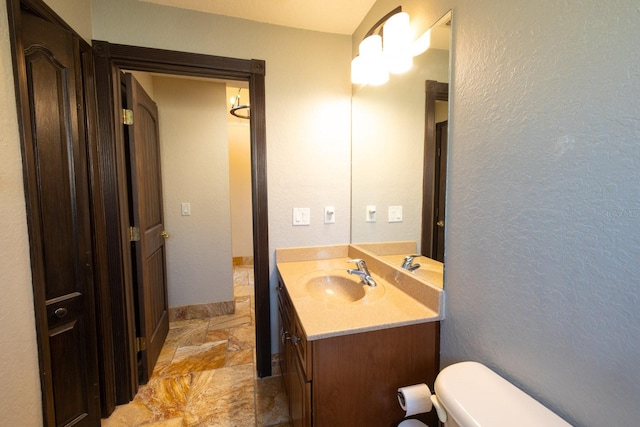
(388, 147)
(402, 254)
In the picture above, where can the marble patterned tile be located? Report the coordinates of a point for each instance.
(201, 311)
(244, 291)
(173, 422)
(197, 358)
(186, 332)
(239, 357)
(166, 397)
(159, 400)
(217, 335)
(226, 322)
(205, 375)
(272, 407)
(164, 360)
(134, 413)
(240, 276)
(222, 397)
(242, 338)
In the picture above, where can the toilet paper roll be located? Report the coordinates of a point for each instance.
(415, 399)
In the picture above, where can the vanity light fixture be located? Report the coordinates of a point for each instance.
(390, 51)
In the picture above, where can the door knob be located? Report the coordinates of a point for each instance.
(60, 312)
(440, 223)
(164, 234)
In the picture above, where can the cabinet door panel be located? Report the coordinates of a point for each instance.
(356, 377)
(299, 394)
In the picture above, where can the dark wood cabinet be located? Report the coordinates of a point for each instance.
(293, 361)
(352, 380)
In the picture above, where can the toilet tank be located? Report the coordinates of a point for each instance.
(474, 395)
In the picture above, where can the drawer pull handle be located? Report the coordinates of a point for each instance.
(61, 312)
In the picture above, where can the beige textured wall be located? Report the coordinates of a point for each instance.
(76, 13)
(240, 188)
(308, 102)
(195, 170)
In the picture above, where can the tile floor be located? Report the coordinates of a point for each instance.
(206, 375)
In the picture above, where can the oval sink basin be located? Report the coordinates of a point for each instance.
(338, 286)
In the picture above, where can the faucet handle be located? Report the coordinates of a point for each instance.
(358, 261)
(408, 260)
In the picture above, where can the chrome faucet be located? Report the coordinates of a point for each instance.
(407, 264)
(362, 271)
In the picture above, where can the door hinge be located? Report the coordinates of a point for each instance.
(141, 344)
(127, 116)
(134, 234)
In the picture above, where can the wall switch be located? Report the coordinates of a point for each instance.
(395, 213)
(301, 216)
(329, 214)
(371, 213)
(185, 209)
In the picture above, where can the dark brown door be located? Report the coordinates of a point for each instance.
(441, 190)
(149, 257)
(54, 149)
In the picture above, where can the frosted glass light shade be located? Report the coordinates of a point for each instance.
(358, 71)
(378, 75)
(372, 61)
(397, 43)
(371, 46)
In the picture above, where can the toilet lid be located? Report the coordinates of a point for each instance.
(412, 423)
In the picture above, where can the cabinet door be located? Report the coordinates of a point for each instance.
(282, 343)
(299, 392)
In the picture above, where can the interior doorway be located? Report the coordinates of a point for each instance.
(110, 60)
(205, 184)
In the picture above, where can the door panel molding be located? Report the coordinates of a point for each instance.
(109, 60)
(147, 214)
(65, 315)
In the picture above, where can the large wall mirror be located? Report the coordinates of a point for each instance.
(388, 146)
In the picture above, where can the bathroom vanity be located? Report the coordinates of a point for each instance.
(346, 347)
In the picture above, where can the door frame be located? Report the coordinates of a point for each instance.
(109, 60)
(435, 91)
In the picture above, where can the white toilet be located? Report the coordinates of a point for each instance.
(468, 394)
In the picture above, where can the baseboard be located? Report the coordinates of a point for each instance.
(201, 311)
(242, 260)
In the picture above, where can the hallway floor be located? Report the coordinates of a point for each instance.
(206, 375)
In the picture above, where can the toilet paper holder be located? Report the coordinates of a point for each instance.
(417, 399)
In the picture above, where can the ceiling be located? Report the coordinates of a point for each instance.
(330, 16)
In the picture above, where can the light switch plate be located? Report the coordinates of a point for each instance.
(301, 216)
(395, 213)
(371, 213)
(185, 209)
(329, 214)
